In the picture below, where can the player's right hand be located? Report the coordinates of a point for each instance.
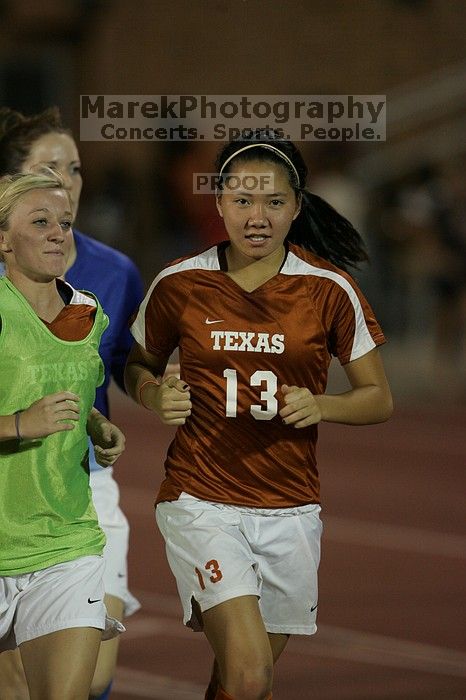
(51, 414)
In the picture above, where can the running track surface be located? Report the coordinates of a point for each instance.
(392, 577)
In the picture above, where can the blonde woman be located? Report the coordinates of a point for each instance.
(51, 566)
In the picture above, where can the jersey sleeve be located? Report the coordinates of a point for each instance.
(156, 327)
(353, 328)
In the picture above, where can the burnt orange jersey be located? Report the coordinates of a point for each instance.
(237, 348)
(76, 318)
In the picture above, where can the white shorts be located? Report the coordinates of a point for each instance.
(106, 497)
(217, 552)
(60, 597)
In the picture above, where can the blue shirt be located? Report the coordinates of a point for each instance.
(117, 284)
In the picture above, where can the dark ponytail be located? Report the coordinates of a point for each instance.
(322, 230)
(318, 228)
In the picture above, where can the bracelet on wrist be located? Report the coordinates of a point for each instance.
(17, 417)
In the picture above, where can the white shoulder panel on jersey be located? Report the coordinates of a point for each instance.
(81, 298)
(363, 341)
(207, 260)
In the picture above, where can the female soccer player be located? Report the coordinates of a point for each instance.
(32, 144)
(256, 319)
(51, 565)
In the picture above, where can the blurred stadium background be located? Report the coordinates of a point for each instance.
(407, 196)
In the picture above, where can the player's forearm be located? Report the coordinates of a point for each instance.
(360, 406)
(141, 381)
(94, 419)
(94, 423)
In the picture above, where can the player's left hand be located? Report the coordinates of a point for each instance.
(107, 438)
(301, 408)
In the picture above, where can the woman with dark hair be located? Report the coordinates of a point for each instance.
(257, 319)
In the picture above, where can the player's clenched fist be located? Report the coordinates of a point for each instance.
(170, 399)
(301, 408)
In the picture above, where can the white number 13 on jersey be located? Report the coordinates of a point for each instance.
(258, 411)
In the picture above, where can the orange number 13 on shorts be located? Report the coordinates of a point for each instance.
(216, 574)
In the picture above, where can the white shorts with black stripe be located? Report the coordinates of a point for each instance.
(59, 597)
(217, 552)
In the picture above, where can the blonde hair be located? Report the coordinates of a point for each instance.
(13, 187)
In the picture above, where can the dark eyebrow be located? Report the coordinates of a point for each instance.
(266, 194)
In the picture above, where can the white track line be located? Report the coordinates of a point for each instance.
(424, 442)
(395, 537)
(350, 531)
(368, 648)
(330, 642)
